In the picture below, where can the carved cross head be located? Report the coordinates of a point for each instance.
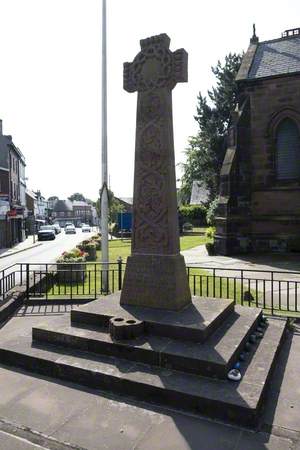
(155, 66)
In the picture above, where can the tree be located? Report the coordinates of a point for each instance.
(77, 196)
(115, 206)
(205, 152)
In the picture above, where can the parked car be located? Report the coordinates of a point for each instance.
(68, 223)
(46, 233)
(85, 228)
(70, 229)
(57, 228)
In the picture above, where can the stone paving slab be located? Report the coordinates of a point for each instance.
(9, 442)
(185, 434)
(100, 422)
(283, 402)
(108, 423)
(91, 418)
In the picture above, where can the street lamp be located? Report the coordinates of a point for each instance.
(104, 191)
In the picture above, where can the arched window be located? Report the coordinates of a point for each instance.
(287, 150)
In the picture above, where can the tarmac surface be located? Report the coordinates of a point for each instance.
(42, 413)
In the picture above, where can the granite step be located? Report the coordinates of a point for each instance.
(229, 401)
(212, 358)
(196, 322)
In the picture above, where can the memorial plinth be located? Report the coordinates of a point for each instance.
(155, 272)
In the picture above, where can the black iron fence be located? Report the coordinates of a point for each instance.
(274, 291)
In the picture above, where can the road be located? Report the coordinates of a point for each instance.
(49, 251)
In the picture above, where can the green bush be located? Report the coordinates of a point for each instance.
(210, 232)
(211, 211)
(195, 214)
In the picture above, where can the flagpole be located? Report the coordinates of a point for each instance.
(104, 188)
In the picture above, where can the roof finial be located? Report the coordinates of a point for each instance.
(254, 39)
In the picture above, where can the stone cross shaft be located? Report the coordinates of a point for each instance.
(154, 73)
(155, 258)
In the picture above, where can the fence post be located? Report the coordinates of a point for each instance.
(3, 290)
(27, 281)
(119, 261)
(242, 287)
(272, 292)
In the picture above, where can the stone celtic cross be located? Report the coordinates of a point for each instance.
(155, 274)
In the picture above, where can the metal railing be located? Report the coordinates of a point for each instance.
(274, 291)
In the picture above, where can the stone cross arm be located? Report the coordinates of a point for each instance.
(155, 66)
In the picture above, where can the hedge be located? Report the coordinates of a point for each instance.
(196, 214)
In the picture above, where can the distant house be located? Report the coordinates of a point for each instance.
(63, 212)
(199, 194)
(82, 212)
(77, 212)
(42, 207)
(12, 185)
(127, 203)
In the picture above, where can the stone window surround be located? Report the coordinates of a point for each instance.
(270, 136)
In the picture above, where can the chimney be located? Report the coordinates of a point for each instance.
(254, 39)
(1, 128)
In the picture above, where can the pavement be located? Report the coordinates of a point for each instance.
(22, 246)
(283, 291)
(41, 252)
(38, 412)
(198, 256)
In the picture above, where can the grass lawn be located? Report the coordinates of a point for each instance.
(118, 247)
(187, 242)
(201, 281)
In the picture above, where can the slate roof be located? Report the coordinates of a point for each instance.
(199, 194)
(79, 203)
(128, 200)
(276, 57)
(62, 206)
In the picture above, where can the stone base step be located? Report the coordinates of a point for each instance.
(212, 358)
(196, 322)
(235, 402)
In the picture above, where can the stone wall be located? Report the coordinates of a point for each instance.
(269, 207)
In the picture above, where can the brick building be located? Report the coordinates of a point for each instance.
(259, 202)
(12, 179)
(77, 212)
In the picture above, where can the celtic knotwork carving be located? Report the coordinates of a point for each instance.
(151, 226)
(151, 150)
(155, 66)
(151, 108)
